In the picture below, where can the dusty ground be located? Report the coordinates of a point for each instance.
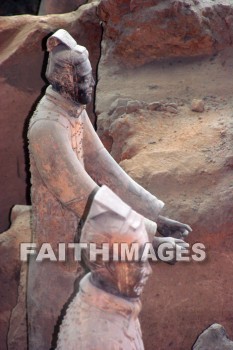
(184, 79)
(187, 160)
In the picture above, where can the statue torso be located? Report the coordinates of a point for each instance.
(52, 221)
(97, 320)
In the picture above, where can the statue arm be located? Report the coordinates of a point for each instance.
(168, 227)
(59, 167)
(105, 170)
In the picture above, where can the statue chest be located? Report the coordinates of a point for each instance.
(76, 138)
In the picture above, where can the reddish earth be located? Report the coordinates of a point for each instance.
(186, 159)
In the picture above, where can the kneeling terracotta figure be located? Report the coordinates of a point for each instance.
(104, 314)
(68, 164)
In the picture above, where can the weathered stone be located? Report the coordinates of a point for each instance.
(214, 338)
(134, 106)
(118, 103)
(22, 55)
(168, 28)
(122, 106)
(119, 111)
(229, 161)
(172, 108)
(173, 105)
(104, 123)
(197, 105)
(154, 106)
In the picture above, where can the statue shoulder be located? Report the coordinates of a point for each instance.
(46, 118)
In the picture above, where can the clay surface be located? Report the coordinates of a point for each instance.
(138, 32)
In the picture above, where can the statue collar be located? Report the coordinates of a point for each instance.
(107, 302)
(70, 107)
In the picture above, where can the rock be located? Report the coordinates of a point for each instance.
(154, 106)
(197, 105)
(13, 281)
(22, 55)
(118, 103)
(134, 106)
(214, 338)
(122, 105)
(163, 106)
(104, 123)
(229, 161)
(168, 28)
(115, 121)
(171, 107)
(120, 131)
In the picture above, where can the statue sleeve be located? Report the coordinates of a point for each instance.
(105, 170)
(58, 166)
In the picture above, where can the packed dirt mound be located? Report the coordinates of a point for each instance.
(180, 150)
(185, 157)
(137, 32)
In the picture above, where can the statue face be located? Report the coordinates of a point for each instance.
(84, 88)
(122, 278)
(132, 277)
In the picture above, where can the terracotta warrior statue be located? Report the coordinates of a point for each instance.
(104, 314)
(68, 164)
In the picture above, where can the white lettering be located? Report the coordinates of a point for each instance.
(46, 252)
(27, 249)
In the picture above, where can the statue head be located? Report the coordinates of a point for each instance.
(112, 221)
(69, 70)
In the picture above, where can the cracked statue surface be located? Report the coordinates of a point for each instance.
(68, 164)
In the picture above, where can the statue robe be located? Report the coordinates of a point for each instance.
(96, 320)
(68, 162)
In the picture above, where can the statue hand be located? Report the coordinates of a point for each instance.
(171, 228)
(174, 243)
